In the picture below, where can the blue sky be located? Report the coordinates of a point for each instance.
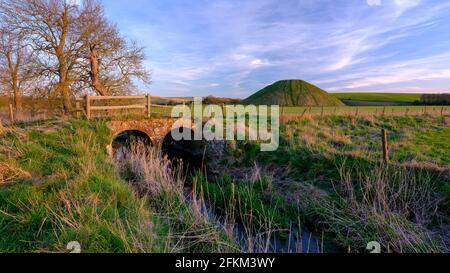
(234, 48)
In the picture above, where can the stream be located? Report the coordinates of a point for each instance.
(295, 240)
(298, 240)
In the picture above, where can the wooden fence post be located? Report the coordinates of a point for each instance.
(384, 139)
(78, 108)
(442, 111)
(11, 113)
(357, 111)
(407, 112)
(384, 111)
(88, 107)
(304, 112)
(149, 105)
(322, 112)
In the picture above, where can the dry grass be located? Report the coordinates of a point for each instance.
(193, 226)
(391, 207)
(11, 173)
(162, 182)
(152, 173)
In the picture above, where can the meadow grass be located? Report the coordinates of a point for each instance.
(330, 169)
(72, 193)
(391, 205)
(381, 97)
(162, 183)
(57, 185)
(422, 139)
(376, 111)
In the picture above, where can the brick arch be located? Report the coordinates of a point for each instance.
(155, 129)
(138, 133)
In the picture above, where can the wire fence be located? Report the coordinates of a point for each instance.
(139, 106)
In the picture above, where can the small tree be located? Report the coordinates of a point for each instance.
(17, 64)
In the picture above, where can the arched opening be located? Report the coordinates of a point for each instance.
(190, 152)
(124, 140)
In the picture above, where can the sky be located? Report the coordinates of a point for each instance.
(233, 48)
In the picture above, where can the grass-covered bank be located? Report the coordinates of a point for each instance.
(188, 225)
(395, 206)
(59, 185)
(330, 169)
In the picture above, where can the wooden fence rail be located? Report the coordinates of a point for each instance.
(102, 108)
(89, 108)
(384, 142)
(118, 97)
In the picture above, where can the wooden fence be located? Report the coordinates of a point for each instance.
(89, 107)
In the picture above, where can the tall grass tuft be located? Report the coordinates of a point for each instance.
(162, 182)
(390, 205)
(241, 221)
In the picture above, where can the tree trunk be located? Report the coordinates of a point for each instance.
(2, 129)
(62, 58)
(66, 99)
(17, 96)
(95, 78)
(13, 71)
(64, 88)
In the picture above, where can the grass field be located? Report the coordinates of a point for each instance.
(368, 110)
(383, 97)
(378, 99)
(379, 104)
(59, 185)
(329, 169)
(348, 111)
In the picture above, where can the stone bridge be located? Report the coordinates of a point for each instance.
(156, 129)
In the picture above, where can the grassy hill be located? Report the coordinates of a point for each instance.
(293, 93)
(374, 99)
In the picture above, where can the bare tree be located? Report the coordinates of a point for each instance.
(16, 63)
(75, 46)
(111, 64)
(52, 28)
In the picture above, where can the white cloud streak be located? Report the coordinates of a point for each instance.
(241, 46)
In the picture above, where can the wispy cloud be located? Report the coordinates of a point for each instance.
(233, 48)
(403, 5)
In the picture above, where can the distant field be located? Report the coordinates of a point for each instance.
(367, 99)
(369, 110)
(38, 109)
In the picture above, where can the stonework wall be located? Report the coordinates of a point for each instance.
(155, 128)
(158, 129)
